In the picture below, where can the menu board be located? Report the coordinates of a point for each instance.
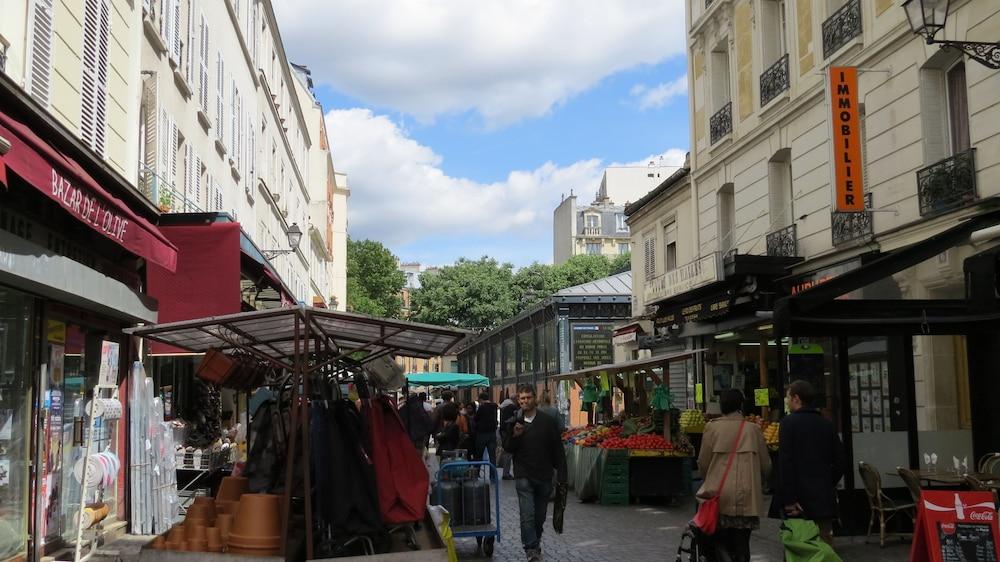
(869, 398)
(592, 345)
(955, 527)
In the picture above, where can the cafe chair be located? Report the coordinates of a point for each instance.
(881, 505)
(987, 463)
(977, 485)
(912, 482)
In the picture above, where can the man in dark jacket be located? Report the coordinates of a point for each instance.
(508, 409)
(536, 445)
(810, 461)
(417, 421)
(485, 422)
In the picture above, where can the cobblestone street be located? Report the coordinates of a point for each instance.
(638, 533)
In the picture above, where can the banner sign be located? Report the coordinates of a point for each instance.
(955, 527)
(700, 272)
(848, 181)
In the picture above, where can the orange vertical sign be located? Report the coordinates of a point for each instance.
(849, 185)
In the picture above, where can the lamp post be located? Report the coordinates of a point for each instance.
(294, 234)
(928, 17)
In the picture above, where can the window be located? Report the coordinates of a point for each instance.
(649, 256)
(623, 248)
(670, 246)
(593, 248)
(94, 86)
(944, 106)
(780, 189)
(620, 223)
(203, 66)
(593, 221)
(720, 76)
(40, 56)
(958, 108)
(773, 31)
(726, 209)
(220, 98)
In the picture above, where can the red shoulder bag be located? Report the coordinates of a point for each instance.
(707, 518)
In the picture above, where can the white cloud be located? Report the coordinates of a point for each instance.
(504, 59)
(400, 194)
(659, 95)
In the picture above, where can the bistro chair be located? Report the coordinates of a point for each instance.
(881, 505)
(912, 482)
(987, 462)
(977, 485)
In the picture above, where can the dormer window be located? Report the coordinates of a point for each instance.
(592, 221)
(620, 222)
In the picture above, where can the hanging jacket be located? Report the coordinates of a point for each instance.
(401, 477)
(416, 420)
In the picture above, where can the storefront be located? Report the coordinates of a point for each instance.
(75, 240)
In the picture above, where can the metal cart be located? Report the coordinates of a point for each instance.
(466, 474)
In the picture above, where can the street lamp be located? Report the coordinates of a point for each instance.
(294, 234)
(927, 17)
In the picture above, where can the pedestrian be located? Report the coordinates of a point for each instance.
(450, 436)
(741, 495)
(486, 429)
(810, 461)
(417, 422)
(508, 409)
(536, 444)
(551, 410)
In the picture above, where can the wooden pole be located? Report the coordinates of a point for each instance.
(765, 411)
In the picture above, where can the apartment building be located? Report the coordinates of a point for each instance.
(869, 297)
(598, 229)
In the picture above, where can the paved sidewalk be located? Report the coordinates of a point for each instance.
(637, 533)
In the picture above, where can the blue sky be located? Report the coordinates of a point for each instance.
(460, 126)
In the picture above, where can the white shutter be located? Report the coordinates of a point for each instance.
(94, 82)
(164, 15)
(234, 125)
(163, 143)
(209, 191)
(175, 45)
(151, 125)
(220, 97)
(189, 43)
(40, 53)
(252, 35)
(218, 197)
(196, 195)
(203, 66)
(252, 153)
(173, 156)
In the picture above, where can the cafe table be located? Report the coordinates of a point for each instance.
(951, 478)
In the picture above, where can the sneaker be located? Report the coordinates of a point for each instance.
(534, 555)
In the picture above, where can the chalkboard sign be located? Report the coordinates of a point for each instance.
(956, 527)
(592, 345)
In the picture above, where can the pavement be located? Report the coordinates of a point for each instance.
(637, 533)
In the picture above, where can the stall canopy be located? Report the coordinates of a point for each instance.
(460, 380)
(635, 366)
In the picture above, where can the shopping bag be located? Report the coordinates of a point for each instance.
(803, 543)
(707, 517)
(559, 507)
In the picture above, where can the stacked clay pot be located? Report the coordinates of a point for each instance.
(256, 530)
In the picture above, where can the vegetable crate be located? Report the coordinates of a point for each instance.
(614, 478)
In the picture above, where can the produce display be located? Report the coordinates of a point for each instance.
(692, 421)
(769, 428)
(647, 441)
(638, 433)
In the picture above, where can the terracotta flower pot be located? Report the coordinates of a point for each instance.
(205, 507)
(196, 533)
(259, 516)
(197, 545)
(224, 522)
(159, 543)
(176, 534)
(225, 506)
(232, 488)
(254, 551)
(176, 545)
(196, 522)
(241, 541)
(213, 536)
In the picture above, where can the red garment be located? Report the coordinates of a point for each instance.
(400, 474)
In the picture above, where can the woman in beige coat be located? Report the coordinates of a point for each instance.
(741, 503)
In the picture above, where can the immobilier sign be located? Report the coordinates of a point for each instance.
(848, 181)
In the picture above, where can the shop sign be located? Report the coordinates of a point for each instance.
(821, 276)
(687, 277)
(762, 397)
(88, 207)
(592, 345)
(623, 339)
(848, 182)
(698, 312)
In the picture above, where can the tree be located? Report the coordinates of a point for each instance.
(581, 269)
(373, 281)
(533, 283)
(468, 294)
(621, 263)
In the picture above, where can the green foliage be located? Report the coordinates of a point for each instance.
(581, 269)
(373, 282)
(621, 263)
(471, 294)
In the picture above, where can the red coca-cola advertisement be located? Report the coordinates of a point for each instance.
(956, 527)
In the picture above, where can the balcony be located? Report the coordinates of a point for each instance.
(783, 243)
(850, 227)
(948, 184)
(591, 231)
(708, 3)
(721, 124)
(774, 80)
(164, 194)
(841, 27)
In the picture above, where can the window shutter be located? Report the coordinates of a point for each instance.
(150, 118)
(40, 54)
(175, 45)
(165, 21)
(252, 36)
(209, 191)
(220, 97)
(189, 44)
(196, 195)
(173, 156)
(234, 135)
(218, 197)
(203, 66)
(163, 144)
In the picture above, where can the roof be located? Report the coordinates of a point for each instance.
(462, 380)
(671, 181)
(273, 333)
(636, 365)
(620, 284)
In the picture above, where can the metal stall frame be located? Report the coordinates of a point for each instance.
(291, 339)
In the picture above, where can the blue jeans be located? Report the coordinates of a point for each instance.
(486, 442)
(533, 501)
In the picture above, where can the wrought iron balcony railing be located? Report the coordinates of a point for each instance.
(708, 3)
(163, 194)
(774, 80)
(850, 227)
(841, 27)
(948, 184)
(783, 242)
(721, 124)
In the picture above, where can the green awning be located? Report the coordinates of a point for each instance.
(461, 380)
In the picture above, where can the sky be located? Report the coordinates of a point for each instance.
(460, 125)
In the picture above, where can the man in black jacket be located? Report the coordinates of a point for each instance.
(536, 445)
(485, 422)
(508, 409)
(810, 461)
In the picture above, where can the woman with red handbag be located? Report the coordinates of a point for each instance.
(734, 462)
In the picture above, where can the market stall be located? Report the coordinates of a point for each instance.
(322, 405)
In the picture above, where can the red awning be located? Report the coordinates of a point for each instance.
(64, 181)
(206, 281)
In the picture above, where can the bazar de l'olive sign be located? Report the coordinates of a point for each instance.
(698, 273)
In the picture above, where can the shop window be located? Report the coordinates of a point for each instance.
(16, 329)
(943, 409)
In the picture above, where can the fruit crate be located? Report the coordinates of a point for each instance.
(614, 498)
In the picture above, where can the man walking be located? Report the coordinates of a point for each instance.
(536, 445)
(508, 409)
(485, 422)
(810, 461)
